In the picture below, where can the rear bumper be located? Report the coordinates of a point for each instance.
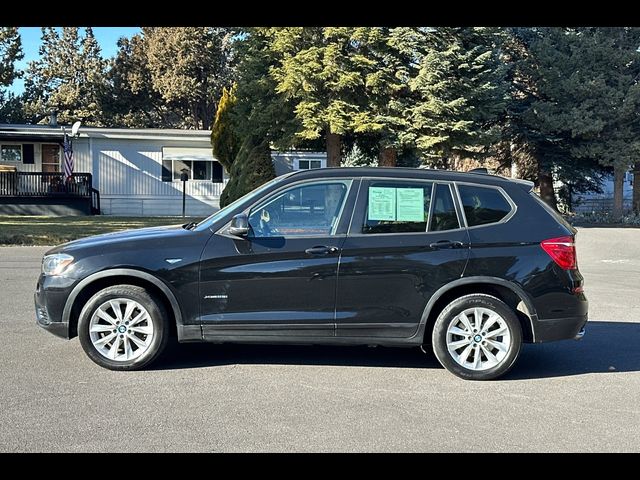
(560, 329)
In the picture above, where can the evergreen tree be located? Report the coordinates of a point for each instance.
(259, 109)
(189, 66)
(574, 103)
(224, 139)
(460, 91)
(10, 53)
(610, 120)
(323, 70)
(251, 168)
(391, 55)
(69, 76)
(132, 101)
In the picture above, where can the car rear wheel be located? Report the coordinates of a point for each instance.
(477, 337)
(123, 327)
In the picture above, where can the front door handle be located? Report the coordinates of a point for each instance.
(321, 250)
(446, 244)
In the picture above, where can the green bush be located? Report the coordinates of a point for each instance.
(251, 168)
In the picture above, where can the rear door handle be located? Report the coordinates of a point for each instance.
(321, 250)
(446, 244)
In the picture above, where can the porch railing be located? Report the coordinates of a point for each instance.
(42, 184)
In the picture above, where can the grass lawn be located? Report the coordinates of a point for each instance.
(40, 230)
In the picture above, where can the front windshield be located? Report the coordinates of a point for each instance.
(247, 198)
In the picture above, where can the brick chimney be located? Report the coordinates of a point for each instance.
(53, 118)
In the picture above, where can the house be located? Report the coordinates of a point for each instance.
(117, 171)
(603, 202)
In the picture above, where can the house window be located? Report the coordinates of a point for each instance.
(196, 169)
(309, 164)
(50, 158)
(11, 153)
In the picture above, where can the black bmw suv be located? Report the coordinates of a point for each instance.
(469, 263)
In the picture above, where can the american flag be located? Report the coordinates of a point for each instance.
(68, 158)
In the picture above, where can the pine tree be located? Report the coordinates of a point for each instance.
(189, 66)
(10, 53)
(574, 103)
(132, 100)
(460, 91)
(392, 63)
(323, 71)
(69, 76)
(260, 110)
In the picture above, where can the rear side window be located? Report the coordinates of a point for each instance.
(444, 213)
(483, 205)
(397, 207)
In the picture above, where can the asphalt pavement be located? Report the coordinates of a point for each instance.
(565, 396)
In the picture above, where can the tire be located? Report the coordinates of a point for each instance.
(138, 334)
(482, 355)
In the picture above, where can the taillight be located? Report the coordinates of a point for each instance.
(562, 250)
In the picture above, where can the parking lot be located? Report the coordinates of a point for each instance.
(564, 396)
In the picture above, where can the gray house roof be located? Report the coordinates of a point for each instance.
(24, 132)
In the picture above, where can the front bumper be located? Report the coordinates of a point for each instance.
(50, 298)
(560, 329)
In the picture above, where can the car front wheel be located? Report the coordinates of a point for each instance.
(123, 327)
(477, 337)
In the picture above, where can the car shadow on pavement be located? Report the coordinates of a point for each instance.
(606, 347)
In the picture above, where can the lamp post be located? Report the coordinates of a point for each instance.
(184, 176)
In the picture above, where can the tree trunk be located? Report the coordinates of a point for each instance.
(545, 182)
(636, 188)
(388, 157)
(515, 168)
(515, 171)
(618, 191)
(334, 156)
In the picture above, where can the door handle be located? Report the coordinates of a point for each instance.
(446, 244)
(321, 250)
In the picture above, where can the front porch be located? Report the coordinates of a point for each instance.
(47, 193)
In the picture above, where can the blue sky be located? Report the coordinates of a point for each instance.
(107, 38)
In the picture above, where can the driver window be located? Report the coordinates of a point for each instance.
(310, 210)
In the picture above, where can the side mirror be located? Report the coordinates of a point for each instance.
(239, 225)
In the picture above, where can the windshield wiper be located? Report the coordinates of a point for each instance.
(190, 225)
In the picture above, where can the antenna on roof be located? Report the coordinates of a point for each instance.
(479, 170)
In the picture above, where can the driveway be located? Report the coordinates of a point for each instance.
(565, 396)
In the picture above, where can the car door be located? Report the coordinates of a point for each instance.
(280, 279)
(406, 240)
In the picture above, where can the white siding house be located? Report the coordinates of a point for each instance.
(136, 171)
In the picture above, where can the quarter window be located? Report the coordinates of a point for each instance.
(309, 211)
(483, 205)
(397, 207)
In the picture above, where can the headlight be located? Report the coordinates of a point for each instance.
(56, 264)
